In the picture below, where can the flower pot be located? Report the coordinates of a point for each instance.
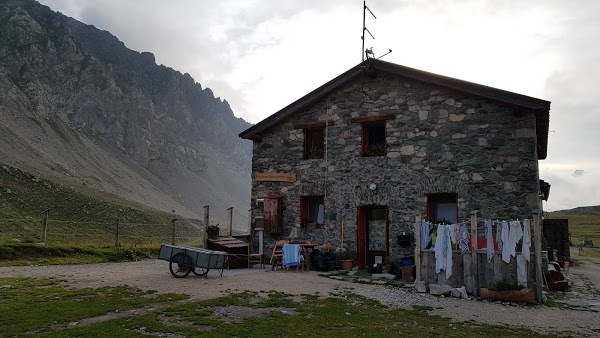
(521, 296)
(346, 264)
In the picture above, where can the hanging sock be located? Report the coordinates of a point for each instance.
(505, 242)
(464, 238)
(425, 237)
(490, 240)
(526, 240)
(498, 234)
(450, 238)
(440, 248)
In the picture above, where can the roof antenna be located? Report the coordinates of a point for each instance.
(365, 52)
(368, 53)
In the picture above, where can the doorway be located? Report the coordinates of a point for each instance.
(372, 235)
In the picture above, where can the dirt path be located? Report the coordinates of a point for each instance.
(588, 266)
(154, 275)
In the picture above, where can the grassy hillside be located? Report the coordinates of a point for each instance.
(75, 214)
(584, 222)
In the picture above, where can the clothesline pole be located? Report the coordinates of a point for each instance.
(537, 234)
(474, 260)
(417, 248)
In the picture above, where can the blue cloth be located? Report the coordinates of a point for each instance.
(291, 255)
(425, 237)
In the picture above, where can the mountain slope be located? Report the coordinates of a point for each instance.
(77, 105)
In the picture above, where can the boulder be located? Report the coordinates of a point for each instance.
(459, 292)
(421, 287)
(439, 290)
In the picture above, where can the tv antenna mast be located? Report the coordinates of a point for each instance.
(368, 53)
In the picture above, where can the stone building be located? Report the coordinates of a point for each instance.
(359, 157)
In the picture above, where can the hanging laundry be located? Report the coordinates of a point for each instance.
(490, 240)
(498, 233)
(450, 238)
(505, 242)
(440, 248)
(425, 236)
(464, 238)
(516, 233)
(526, 240)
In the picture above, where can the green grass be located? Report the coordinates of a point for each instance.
(583, 223)
(15, 254)
(77, 214)
(40, 306)
(48, 308)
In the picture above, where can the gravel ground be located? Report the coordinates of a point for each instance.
(154, 275)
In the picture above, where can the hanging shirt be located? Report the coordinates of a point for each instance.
(516, 233)
(526, 240)
(505, 242)
(489, 249)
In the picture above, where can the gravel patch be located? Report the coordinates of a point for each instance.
(154, 275)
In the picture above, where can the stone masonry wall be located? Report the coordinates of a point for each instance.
(441, 141)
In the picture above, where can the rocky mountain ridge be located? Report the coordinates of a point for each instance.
(77, 105)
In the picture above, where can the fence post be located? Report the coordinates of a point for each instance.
(417, 248)
(230, 214)
(117, 221)
(537, 243)
(474, 260)
(206, 220)
(45, 225)
(173, 221)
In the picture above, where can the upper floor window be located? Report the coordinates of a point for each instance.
(373, 139)
(314, 143)
(373, 133)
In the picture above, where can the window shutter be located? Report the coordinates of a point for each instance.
(273, 214)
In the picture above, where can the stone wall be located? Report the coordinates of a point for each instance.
(441, 141)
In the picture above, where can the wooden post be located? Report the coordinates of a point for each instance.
(250, 220)
(474, 260)
(230, 215)
(537, 243)
(206, 220)
(117, 221)
(173, 221)
(417, 248)
(45, 225)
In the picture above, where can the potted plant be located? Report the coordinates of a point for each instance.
(346, 258)
(506, 292)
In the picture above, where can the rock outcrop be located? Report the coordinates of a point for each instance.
(77, 104)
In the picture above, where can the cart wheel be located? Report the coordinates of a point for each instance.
(199, 271)
(180, 265)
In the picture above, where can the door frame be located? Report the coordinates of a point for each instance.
(361, 235)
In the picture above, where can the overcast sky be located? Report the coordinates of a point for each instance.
(262, 55)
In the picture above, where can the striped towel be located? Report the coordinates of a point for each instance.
(291, 255)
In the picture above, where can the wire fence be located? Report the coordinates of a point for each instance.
(117, 233)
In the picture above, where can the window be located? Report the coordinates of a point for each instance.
(312, 210)
(442, 208)
(373, 139)
(313, 143)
